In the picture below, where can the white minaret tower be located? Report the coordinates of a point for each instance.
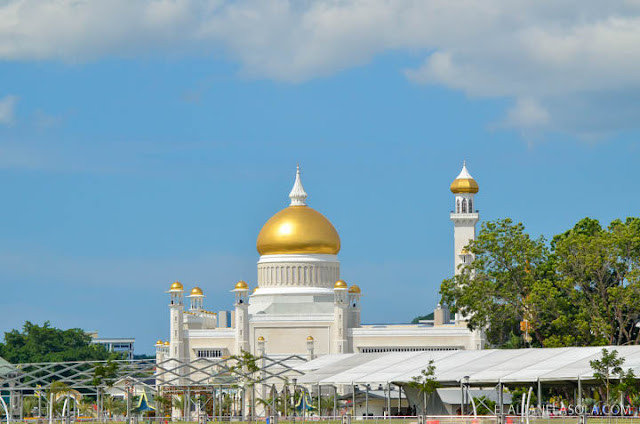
(341, 318)
(464, 218)
(242, 316)
(176, 328)
(176, 307)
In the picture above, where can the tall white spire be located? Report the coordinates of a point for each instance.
(298, 195)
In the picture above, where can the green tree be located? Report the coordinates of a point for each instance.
(114, 406)
(44, 343)
(484, 405)
(509, 280)
(29, 403)
(581, 290)
(426, 383)
(627, 386)
(326, 405)
(607, 368)
(245, 369)
(163, 405)
(105, 374)
(600, 271)
(86, 408)
(417, 319)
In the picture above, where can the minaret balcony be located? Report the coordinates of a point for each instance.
(468, 215)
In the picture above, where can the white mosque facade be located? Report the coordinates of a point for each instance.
(301, 306)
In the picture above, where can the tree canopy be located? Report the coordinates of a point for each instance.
(578, 290)
(45, 343)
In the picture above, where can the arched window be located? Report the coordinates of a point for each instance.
(470, 206)
(464, 205)
(458, 206)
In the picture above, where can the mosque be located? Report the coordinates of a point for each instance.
(301, 306)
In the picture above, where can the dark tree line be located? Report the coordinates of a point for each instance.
(44, 343)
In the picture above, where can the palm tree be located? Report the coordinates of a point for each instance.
(86, 408)
(29, 403)
(326, 405)
(113, 406)
(163, 405)
(271, 405)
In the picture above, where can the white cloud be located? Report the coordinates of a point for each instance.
(526, 113)
(554, 52)
(7, 109)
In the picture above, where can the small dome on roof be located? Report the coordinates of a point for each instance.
(241, 285)
(340, 285)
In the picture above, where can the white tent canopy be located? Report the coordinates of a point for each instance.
(489, 366)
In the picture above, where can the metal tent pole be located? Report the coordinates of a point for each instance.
(579, 400)
(353, 399)
(539, 394)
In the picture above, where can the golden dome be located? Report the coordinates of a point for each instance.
(309, 339)
(340, 285)
(241, 285)
(196, 291)
(464, 185)
(354, 289)
(159, 342)
(464, 182)
(464, 252)
(166, 343)
(260, 339)
(298, 229)
(177, 285)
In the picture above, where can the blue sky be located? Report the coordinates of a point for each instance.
(137, 154)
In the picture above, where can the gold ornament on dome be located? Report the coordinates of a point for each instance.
(298, 230)
(309, 339)
(354, 289)
(196, 291)
(177, 285)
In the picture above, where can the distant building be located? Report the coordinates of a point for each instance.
(301, 306)
(123, 346)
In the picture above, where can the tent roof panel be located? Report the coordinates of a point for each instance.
(481, 366)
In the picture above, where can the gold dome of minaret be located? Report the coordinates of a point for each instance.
(464, 182)
(298, 229)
